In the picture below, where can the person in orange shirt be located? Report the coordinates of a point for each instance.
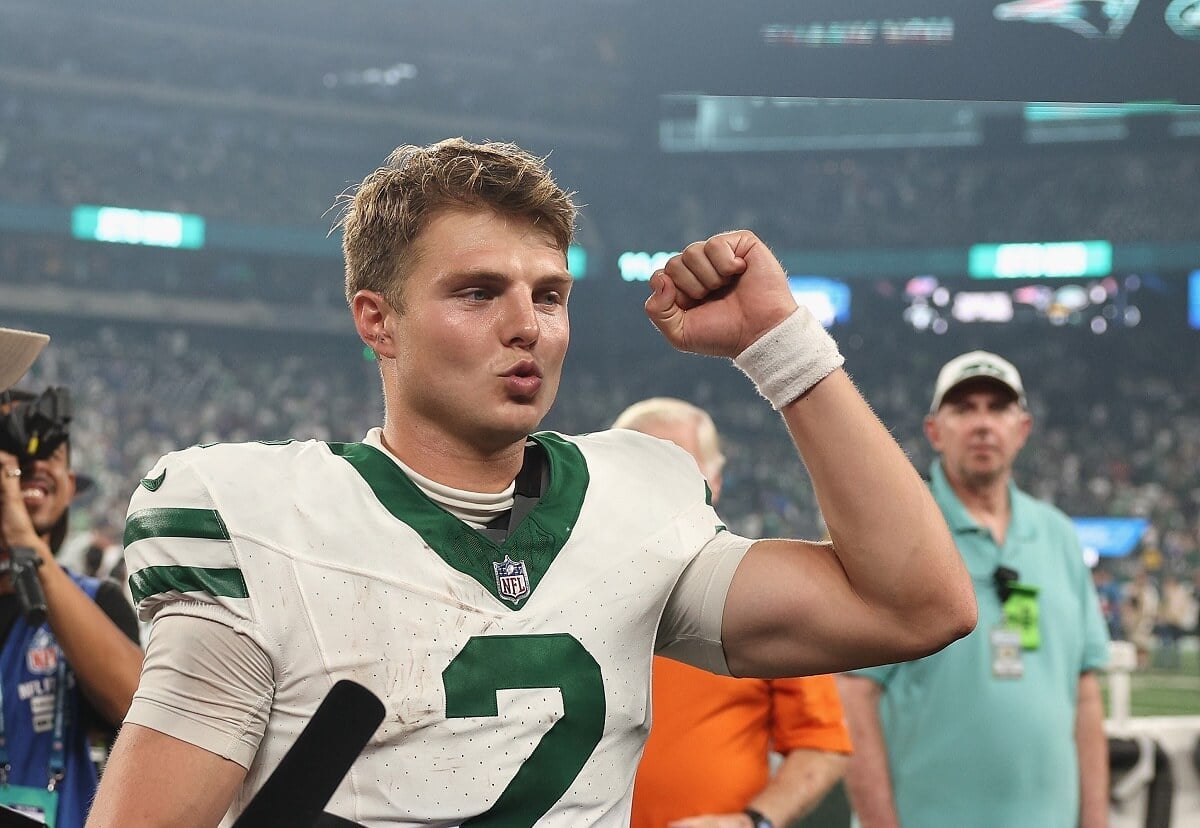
(706, 764)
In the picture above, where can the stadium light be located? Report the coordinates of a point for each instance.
(1040, 259)
(122, 225)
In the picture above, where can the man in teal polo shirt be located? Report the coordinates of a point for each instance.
(1003, 728)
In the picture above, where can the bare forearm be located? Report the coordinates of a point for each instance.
(1092, 746)
(887, 531)
(868, 777)
(799, 785)
(155, 781)
(105, 662)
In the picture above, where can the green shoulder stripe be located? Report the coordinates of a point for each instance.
(175, 523)
(224, 582)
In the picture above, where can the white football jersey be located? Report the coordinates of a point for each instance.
(516, 676)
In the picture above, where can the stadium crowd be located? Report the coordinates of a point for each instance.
(280, 172)
(140, 115)
(1116, 424)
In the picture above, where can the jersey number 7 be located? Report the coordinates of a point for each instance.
(491, 663)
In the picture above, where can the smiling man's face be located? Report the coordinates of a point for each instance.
(47, 487)
(47, 484)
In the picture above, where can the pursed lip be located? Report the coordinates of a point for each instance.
(524, 368)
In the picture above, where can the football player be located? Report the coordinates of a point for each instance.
(502, 590)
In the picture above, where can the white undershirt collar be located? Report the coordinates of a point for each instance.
(473, 508)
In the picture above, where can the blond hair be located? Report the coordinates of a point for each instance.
(389, 210)
(671, 411)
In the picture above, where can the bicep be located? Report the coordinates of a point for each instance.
(791, 611)
(153, 779)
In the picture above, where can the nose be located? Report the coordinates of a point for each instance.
(982, 419)
(35, 465)
(520, 325)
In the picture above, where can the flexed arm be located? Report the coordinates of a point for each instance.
(891, 585)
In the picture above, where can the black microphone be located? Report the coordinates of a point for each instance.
(23, 564)
(1004, 577)
(298, 790)
(12, 818)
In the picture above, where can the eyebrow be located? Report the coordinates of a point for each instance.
(492, 277)
(559, 280)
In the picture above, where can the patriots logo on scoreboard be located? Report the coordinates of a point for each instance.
(1183, 16)
(1088, 18)
(512, 579)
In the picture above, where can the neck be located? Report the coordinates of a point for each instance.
(985, 500)
(454, 463)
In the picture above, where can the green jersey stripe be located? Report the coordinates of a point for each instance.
(175, 523)
(532, 546)
(218, 582)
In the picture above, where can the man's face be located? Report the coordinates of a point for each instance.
(483, 332)
(48, 486)
(978, 431)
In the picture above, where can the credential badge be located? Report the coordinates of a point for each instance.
(512, 581)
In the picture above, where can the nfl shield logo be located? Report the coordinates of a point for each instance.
(512, 582)
(42, 656)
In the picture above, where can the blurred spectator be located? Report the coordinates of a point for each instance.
(1110, 595)
(1177, 613)
(1139, 614)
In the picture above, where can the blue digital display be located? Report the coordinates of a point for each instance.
(1110, 537)
(1194, 299)
(828, 299)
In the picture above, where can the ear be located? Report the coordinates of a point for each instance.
(933, 433)
(371, 314)
(714, 484)
(1026, 427)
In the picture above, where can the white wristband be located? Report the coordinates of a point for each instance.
(790, 358)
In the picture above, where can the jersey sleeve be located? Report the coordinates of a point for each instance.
(806, 713)
(692, 533)
(179, 550)
(205, 684)
(690, 629)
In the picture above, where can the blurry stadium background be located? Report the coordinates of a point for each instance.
(937, 176)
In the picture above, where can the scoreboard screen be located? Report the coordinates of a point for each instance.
(1012, 50)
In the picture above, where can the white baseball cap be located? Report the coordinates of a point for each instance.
(18, 350)
(975, 365)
